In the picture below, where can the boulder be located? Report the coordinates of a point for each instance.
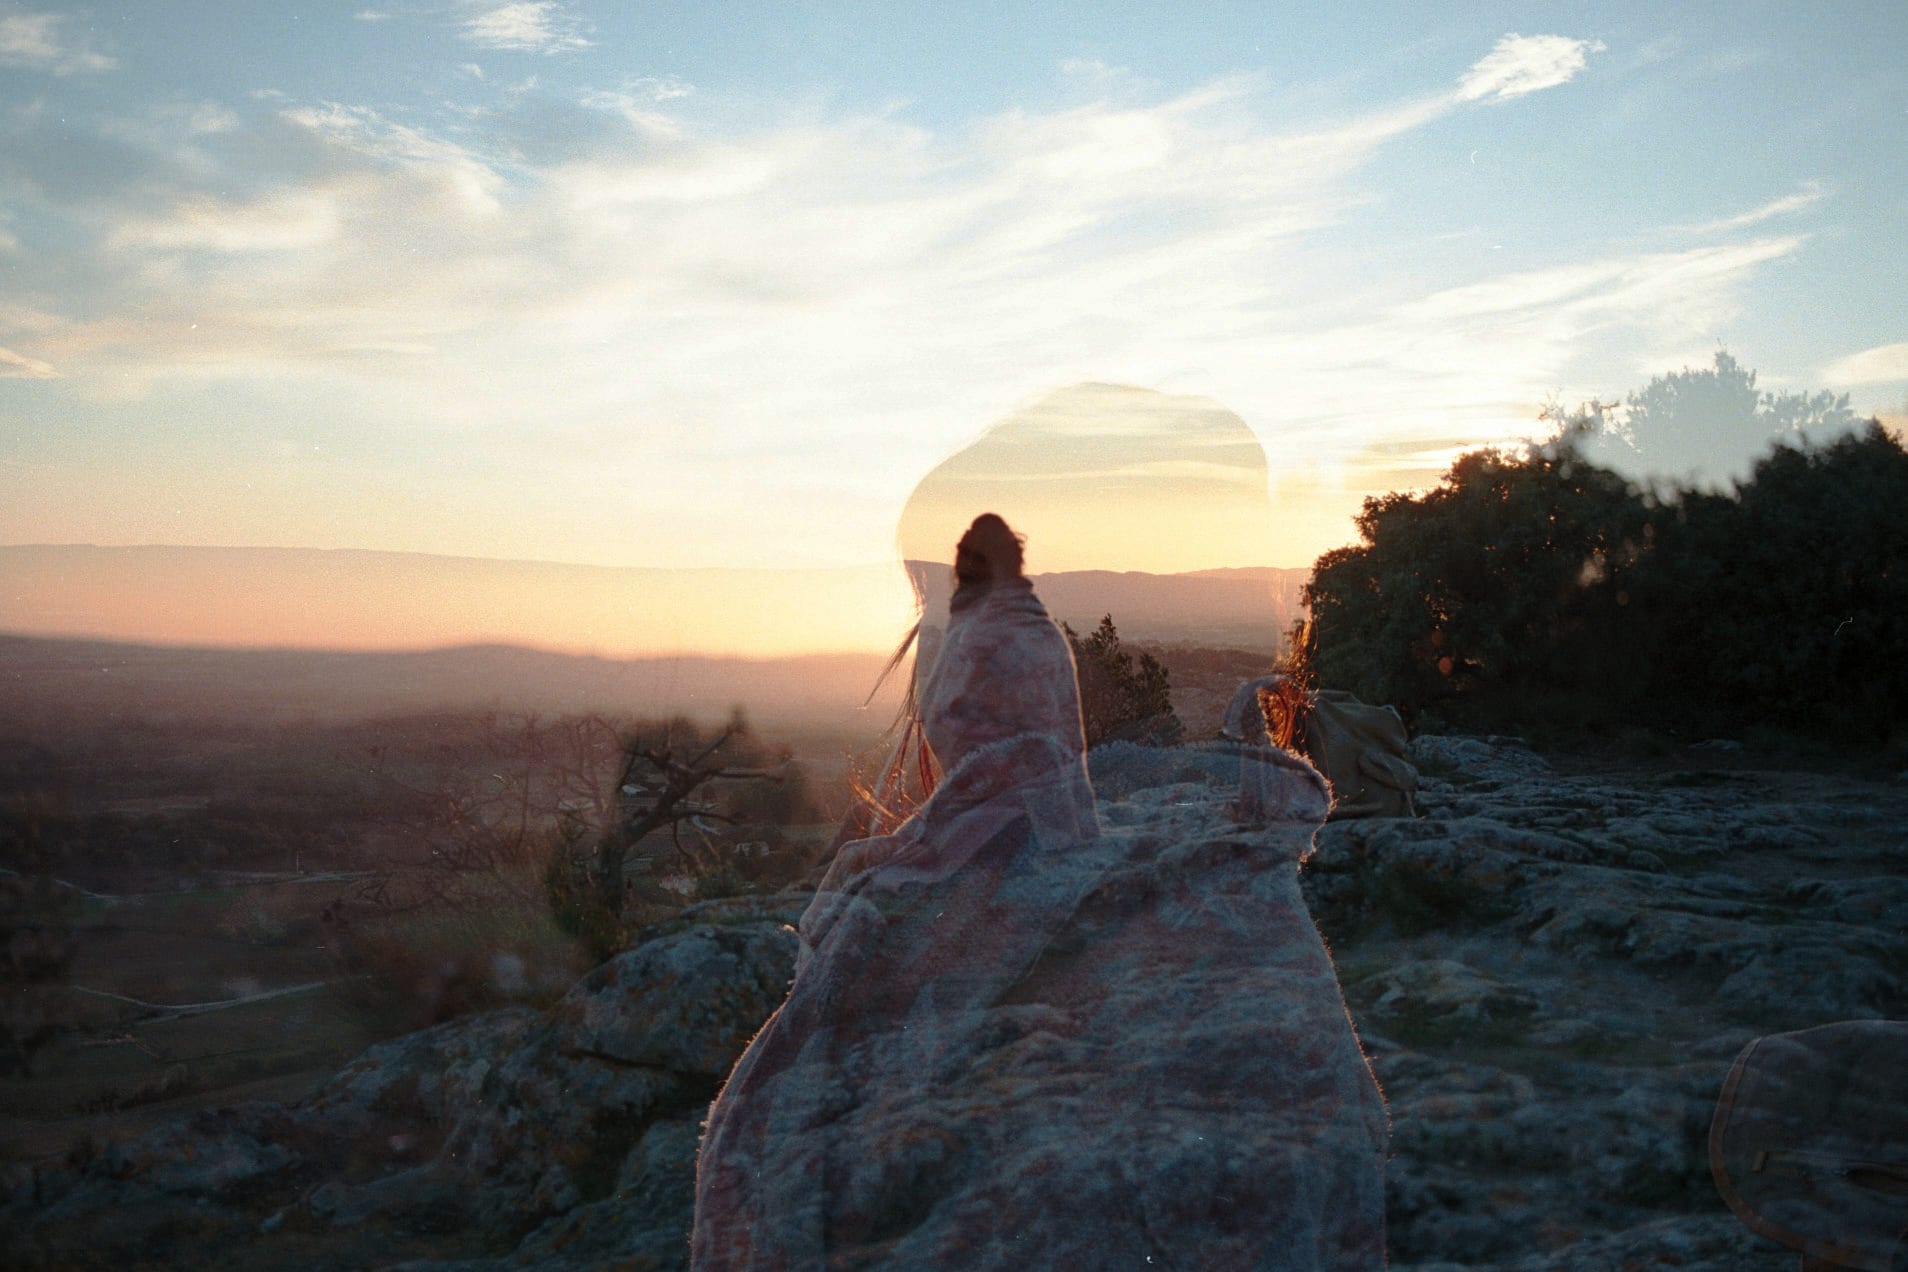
(1171, 1079)
(688, 1003)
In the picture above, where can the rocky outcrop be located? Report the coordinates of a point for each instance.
(1550, 971)
(562, 1138)
(1171, 1079)
(1554, 970)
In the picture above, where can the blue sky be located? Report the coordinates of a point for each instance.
(716, 284)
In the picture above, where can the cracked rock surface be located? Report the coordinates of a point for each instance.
(1553, 970)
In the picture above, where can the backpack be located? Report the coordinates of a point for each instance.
(1361, 749)
(1809, 1144)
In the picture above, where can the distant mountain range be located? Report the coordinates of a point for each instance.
(1241, 608)
(53, 680)
(200, 634)
(319, 599)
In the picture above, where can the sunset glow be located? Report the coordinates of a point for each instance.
(292, 598)
(567, 282)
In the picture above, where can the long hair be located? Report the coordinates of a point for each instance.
(989, 550)
(910, 773)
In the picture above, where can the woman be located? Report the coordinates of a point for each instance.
(958, 900)
(1014, 1041)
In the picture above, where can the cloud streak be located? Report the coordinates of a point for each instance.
(17, 366)
(1807, 196)
(1884, 364)
(1521, 64)
(34, 41)
(529, 26)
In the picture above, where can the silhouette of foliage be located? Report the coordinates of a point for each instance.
(1540, 591)
(1475, 589)
(1118, 700)
(1787, 603)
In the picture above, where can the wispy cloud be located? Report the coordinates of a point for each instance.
(842, 296)
(1521, 64)
(1093, 77)
(286, 221)
(1808, 195)
(1884, 364)
(17, 366)
(638, 104)
(372, 15)
(34, 41)
(529, 26)
(203, 118)
(658, 88)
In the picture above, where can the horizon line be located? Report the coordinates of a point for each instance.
(589, 565)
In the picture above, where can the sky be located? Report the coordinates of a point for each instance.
(681, 285)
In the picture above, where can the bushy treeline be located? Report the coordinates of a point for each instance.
(1542, 592)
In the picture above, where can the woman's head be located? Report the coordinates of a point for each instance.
(990, 551)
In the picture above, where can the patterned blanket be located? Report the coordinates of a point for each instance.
(1020, 1038)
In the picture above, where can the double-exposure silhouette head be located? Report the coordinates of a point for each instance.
(990, 551)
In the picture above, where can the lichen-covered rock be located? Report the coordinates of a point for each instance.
(573, 1131)
(642, 1226)
(428, 1078)
(195, 1160)
(1495, 759)
(1879, 902)
(688, 1003)
(1654, 922)
(539, 1128)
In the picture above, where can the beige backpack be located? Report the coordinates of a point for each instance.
(1361, 749)
(1809, 1145)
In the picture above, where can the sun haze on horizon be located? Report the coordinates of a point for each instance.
(664, 288)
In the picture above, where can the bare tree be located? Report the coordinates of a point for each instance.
(662, 792)
(490, 820)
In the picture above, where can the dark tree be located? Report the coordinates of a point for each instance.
(1118, 700)
(1480, 588)
(1787, 603)
(1540, 591)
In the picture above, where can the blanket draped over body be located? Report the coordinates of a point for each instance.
(1017, 1039)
